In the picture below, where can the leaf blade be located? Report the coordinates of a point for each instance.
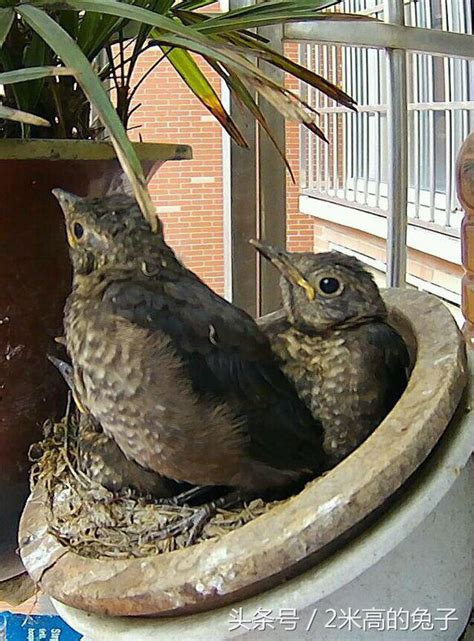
(33, 73)
(7, 17)
(71, 55)
(188, 69)
(22, 116)
(243, 94)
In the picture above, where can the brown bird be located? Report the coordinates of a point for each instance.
(101, 459)
(183, 381)
(347, 363)
(104, 462)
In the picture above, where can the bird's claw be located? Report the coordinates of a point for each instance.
(194, 524)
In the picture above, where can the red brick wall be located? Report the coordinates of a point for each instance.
(188, 193)
(299, 226)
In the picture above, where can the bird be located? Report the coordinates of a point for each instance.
(101, 459)
(104, 462)
(182, 380)
(334, 343)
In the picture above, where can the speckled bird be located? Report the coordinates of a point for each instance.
(101, 459)
(347, 363)
(183, 381)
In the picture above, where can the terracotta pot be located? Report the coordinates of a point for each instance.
(34, 282)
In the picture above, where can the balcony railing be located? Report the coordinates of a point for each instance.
(353, 169)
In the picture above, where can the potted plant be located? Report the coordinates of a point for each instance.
(67, 72)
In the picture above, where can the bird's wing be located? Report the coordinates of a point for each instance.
(227, 358)
(389, 351)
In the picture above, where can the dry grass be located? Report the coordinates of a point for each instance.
(97, 523)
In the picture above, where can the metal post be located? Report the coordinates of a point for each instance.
(397, 130)
(271, 185)
(240, 207)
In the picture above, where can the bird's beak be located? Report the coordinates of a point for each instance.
(283, 263)
(65, 199)
(67, 202)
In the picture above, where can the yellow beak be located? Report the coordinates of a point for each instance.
(282, 262)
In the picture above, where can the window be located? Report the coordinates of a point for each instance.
(352, 170)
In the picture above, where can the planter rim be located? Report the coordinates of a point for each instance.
(45, 149)
(284, 541)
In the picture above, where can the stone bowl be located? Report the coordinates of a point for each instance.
(291, 537)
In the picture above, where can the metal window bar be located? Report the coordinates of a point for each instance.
(439, 106)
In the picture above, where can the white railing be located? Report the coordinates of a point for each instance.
(353, 169)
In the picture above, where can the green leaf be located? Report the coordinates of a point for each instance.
(33, 73)
(6, 20)
(243, 94)
(253, 22)
(139, 14)
(19, 92)
(245, 40)
(266, 13)
(68, 51)
(22, 116)
(94, 30)
(293, 68)
(188, 69)
(192, 5)
(34, 55)
(182, 37)
(174, 33)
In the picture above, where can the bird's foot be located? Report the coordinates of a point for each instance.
(191, 525)
(194, 524)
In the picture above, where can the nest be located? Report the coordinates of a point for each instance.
(97, 523)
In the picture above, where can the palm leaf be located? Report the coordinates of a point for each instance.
(35, 55)
(33, 73)
(6, 20)
(222, 24)
(187, 38)
(245, 97)
(69, 52)
(245, 40)
(139, 14)
(95, 29)
(285, 101)
(22, 116)
(266, 13)
(293, 68)
(188, 69)
(192, 5)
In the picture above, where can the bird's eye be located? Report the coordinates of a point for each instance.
(78, 230)
(330, 286)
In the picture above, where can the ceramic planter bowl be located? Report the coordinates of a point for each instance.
(305, 532)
